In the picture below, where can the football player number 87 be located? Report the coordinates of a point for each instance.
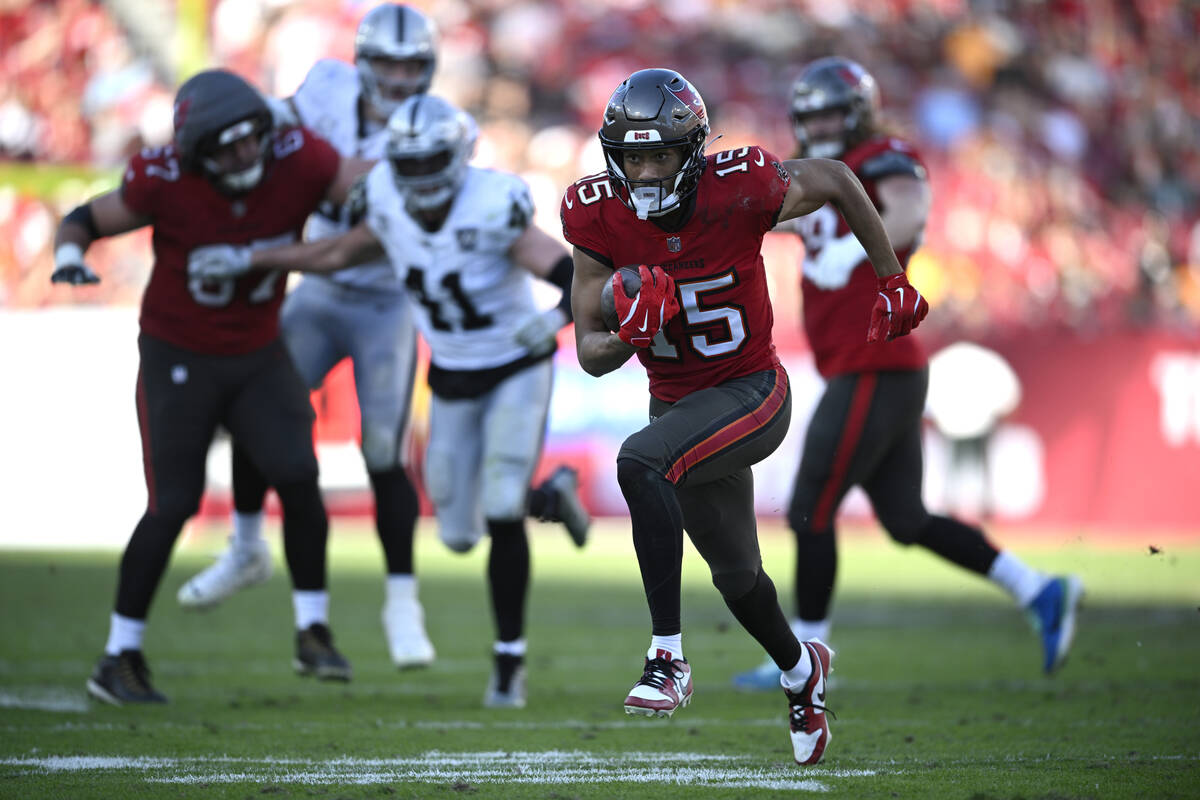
(696, 315)
(216, 293)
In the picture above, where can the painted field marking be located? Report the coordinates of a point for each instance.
(549, 767)
(37, 699)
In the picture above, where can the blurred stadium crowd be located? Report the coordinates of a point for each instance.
(1063, 136)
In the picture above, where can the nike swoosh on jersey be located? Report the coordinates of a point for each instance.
(759, 160)
(567, 200)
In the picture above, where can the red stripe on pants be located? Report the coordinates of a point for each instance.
(735, 431)
(143, 410)
(852, 430)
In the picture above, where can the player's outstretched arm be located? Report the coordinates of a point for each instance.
(225, 261)
(106, 215)
(356, 246)
(599, 350)
(544, 256)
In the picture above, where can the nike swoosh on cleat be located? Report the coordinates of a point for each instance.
(809, 740)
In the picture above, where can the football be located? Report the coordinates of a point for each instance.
(631, 280)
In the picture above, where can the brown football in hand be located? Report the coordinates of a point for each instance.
(631, 279)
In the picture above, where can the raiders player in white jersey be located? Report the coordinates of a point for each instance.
(461, 241)
(359, 313)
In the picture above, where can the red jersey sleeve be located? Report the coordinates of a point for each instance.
(145, 176)
(309, 155)
(771, 181)
(582, 223)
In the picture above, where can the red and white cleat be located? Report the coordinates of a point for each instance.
(665, 685)
(806, 708)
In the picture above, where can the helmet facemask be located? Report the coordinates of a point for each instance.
(828, 146)
(245, 178)
(386, 94)
(429, 145)
(658, 196)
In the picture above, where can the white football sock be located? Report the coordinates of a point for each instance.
(247, 530)
(311, 607)
(1016, 577)
(514, 648)
(809, 629)
(124, 633)
(798, 675)
(399, 587)
(671, 646)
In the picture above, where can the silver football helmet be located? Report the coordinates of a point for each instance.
(834, 84)
(650, 110)
(429, 144)
(397, 33)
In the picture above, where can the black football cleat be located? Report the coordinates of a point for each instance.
(315, 655)
(123, 679)
(506, 687)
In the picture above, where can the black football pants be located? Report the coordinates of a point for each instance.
(182, 397)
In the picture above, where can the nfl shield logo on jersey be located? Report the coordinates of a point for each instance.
(674, 244)
(468, 238)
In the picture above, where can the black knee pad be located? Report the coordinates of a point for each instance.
(632, 474)
(735, 584)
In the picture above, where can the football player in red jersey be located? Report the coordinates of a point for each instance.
(210, 349)
(701, 326)
(866, 429)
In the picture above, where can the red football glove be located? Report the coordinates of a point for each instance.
(643, 315)
(898, 309)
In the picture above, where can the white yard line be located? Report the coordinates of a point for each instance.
(44, 700)
(550, 767)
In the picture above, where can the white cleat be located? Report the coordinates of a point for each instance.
(404, 626)
(236, 568)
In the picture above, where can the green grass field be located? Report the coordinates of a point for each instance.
(938, 687)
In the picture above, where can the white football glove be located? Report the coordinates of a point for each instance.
(539, 333)
(219, 262)
(69, 266)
